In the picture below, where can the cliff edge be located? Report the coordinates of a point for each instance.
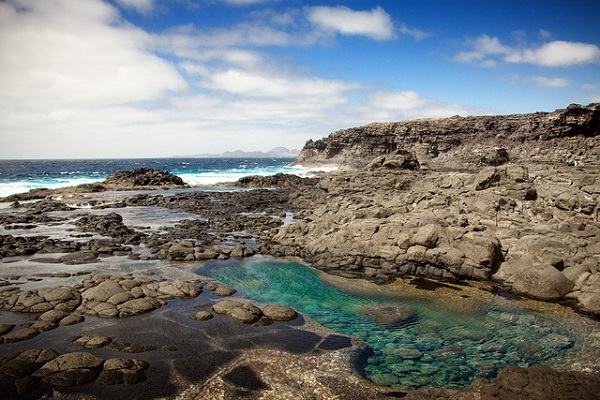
(565, 135)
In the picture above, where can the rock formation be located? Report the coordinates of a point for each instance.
(467, 142)
(143, 177)
(508, 199)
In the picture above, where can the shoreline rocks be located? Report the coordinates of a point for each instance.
(510, 200)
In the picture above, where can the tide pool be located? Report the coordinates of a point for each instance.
(412, 343)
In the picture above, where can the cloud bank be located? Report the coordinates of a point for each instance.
(489, 50)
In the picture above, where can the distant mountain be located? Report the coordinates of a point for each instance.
(277, 152)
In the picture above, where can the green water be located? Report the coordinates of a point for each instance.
(437, 347)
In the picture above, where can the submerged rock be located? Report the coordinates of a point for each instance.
(387, 314)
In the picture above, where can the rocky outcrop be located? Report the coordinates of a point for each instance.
(143, 177)
(276, 181)
(467, 142)
(531, 229)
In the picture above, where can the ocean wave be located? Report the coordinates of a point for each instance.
(22, 186)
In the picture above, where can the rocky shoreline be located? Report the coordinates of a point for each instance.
(522, 220)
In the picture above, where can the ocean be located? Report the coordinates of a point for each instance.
(18, 176)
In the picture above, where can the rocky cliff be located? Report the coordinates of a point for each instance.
(467, 142)
(511, 200)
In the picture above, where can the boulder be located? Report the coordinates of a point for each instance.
(528, 276)
(71, 369)
(179, 288)
(430, 236)
(223, 291)
(201, 316)
(279, 313)
(243, 312)
(102, 292)
(20, 335)
(138, 306)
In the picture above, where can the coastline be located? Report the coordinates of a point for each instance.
(272, 376)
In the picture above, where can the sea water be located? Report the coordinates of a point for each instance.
(18, 176)
(437, 347)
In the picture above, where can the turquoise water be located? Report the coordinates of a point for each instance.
(435, 347)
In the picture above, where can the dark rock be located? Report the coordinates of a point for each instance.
(143, 177)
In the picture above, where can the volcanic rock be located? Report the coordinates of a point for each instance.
(143, 177)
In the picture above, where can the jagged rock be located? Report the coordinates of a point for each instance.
(486, 178)
(143, 177)
(398, 160)
(463, 142)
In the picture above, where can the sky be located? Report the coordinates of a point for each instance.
(161, 78)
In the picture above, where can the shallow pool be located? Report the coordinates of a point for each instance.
(413, 343)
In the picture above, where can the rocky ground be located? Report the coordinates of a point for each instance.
(522, 219)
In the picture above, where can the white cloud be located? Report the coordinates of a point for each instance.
(76, 53)
(414, 32)
(557, 54)
(78, 81)
(409, 104)
(589, 86)
(376, 23)
(541, 81)
(483, 46)
(276, 85)
(550, 82)
(141, 6)
(552, 54)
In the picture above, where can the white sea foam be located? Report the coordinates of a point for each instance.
(193, 178)
(8, 188)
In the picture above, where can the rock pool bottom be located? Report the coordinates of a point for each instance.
(412, 343)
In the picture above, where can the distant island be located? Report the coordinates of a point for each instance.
(277, 152)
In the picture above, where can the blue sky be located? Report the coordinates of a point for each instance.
(149, 78)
